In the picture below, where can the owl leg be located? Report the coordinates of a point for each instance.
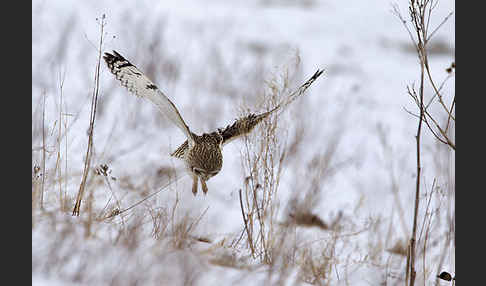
(194, 184)
(204, 186)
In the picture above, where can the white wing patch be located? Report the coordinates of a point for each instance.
(137, 83)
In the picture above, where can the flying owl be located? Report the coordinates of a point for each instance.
(201, 153)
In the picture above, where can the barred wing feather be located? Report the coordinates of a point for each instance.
(246, 124)
(138, 84)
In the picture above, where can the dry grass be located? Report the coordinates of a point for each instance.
(135, 228)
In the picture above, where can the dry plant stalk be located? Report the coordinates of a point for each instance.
(58, 168)
(263, 156)
(119, 211)
(420, 12)
(43, 152)
(94, 102)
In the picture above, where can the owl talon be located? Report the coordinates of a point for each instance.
(204, 187)
(194, 185)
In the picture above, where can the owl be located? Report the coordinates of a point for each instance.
(202, 154)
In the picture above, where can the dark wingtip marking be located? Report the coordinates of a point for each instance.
(125, 64)
(317, 74)
(108, 57)
(116, 57)
(151, 86)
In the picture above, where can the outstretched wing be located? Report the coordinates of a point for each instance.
(137, 83)
(247, 123)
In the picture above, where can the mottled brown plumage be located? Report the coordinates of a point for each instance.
(204, 159)
(202, 154)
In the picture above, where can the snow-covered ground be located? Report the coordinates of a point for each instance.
(211, 58)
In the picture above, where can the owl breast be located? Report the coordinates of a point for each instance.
(205, 156)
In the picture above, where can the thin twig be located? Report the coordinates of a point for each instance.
(94, 102)
(450, 111)
(117, 211)
(246, 224)
(436, 90)
(440, 25)
(43, 152)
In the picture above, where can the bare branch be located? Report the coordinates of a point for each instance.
(440, 25)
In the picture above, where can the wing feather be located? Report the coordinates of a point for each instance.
(138, 84)
(246, 124)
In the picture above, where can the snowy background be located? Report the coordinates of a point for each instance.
(211, 58)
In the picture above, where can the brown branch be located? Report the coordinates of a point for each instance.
(420, 13)
(440, 88)
(433, 132)
(436, 90)
(417, 185)
(442, 132)
(446, 140)
(450, 111)
(421, 46)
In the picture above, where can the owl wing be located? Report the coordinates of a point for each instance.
(138, 84)
(246, 124)
(240, 127)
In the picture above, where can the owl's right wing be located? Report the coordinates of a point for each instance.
(137, 83)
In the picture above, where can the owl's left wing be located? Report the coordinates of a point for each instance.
(246, 124)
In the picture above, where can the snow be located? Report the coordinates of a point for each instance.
(210, 57)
